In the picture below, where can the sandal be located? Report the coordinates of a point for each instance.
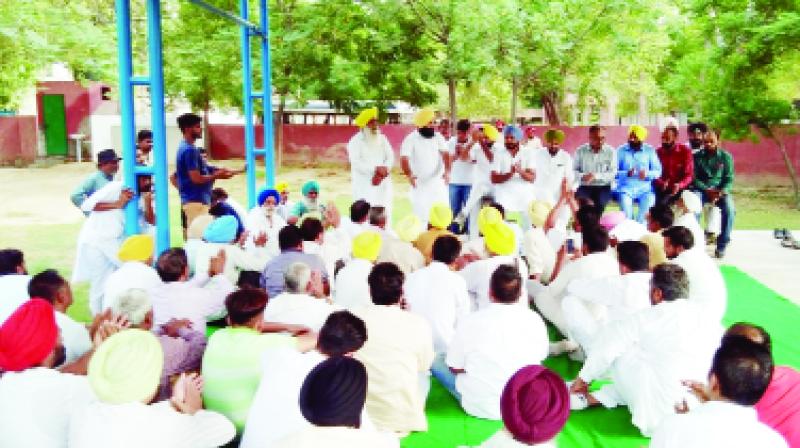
(790, 242)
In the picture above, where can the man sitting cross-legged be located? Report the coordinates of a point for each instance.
(648, 354)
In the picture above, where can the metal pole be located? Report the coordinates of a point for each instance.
(249, 132)
(266, 89)
(156, 64)
(123, 11)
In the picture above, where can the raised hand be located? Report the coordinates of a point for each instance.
(187, 393)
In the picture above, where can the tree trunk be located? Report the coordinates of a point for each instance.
(550, 104)
(206, 134)
(514, 92)
(277, 128)
(774, 134)
(451, 93)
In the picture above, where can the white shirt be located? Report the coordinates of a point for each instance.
(36, 406)
(620, 295)
(353, 229)
(483, 166)
(134, 425)
(440, 296)
(338, 437)
(367, 151)
(514, 194)
(102, 230)
(462, 172)
(15, 293)
(424, 155)
(478, 276)
(689, 221)
(75, 337)
(132, 274)
(298, 309)
(491, 345)
(592, 266)
(197, 300)
(352, 289)
(716, 424)
(706, 285)
(258, 222)
(550, 172)
(539, 253)
(236, 259)
(628, 230)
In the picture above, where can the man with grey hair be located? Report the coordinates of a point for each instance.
(183, 347)
(394, 250)
(302, 301)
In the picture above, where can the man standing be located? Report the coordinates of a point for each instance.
(426, 164)
(713, 181)
(637, 167)
(485, 138)
(144, 145)
(195, 178)
(677, 167)
(371, 159)
(461, 151)
(596, 167)
(107, 167)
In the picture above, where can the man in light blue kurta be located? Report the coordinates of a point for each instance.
(637, 167)
(107, 167)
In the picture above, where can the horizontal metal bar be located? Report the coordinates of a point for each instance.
(143, 169)
(140, 80)
(259, 151)
(257, 94)
(227, 15)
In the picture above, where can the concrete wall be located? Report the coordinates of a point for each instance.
(18, 140)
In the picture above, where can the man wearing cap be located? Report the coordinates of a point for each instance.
(309, 203)
(352, 290)
(36, 400)
(136, 256)
(596, 168)
(371, 159)
(513, 173)
(107, 167)
(713, 182)
(677, 167)
(102, 233)
(439, 220)
(426, 163)
(637, 167)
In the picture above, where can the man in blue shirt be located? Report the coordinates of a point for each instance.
(193, 176)
(107, 167)
(637, 167)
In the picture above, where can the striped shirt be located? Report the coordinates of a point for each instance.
(602, 164)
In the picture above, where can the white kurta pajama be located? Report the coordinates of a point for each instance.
(706, 285)
(425, 157)
(366, 152)
(515, 194)
(648, 354)
(260, 220)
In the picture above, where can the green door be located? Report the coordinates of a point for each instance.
(55, 125)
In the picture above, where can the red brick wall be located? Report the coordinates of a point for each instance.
(18, 139)
(328, 143)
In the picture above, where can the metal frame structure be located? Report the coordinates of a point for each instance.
(155, 81)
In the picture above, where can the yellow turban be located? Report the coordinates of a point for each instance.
(127, 367)
(367, 245)
(366, 116)
(538, 212)
(198, 227)
(554, 135)
(490, 132)
(282, 186)
(409, 228)
(488, 215)
(423, 117)
(639, 131)
(136, 248)
(499, 238)
(440, 215)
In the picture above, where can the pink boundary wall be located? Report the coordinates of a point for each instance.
(328, 143)
(18, 140)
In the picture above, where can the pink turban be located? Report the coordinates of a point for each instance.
(610, 220)
(28, 336)
(534, 404)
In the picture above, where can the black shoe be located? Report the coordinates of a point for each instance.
(719, 254)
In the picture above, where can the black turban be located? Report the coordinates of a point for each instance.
(334, 392)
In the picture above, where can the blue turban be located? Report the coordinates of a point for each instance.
(309, 186)
(221, 230)
(267, 192)
(514, 131)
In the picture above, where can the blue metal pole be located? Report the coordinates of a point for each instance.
(266, 89)
(249, 132)
(123, 11)
(156, 64)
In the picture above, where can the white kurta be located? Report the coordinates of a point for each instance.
(425, 157)
(706, 285)
(462, 172)
(478, 276)
(367, 152)
(440, 296)
(15, 293)
(36, 406)
(132, 274)
(236, 259)
(716, 424)
(338, 437)
(648, 354)
(491, 345)
(75, 337)
(539, 253)
(352, 289)
(259, 222)
(515, 194)
(134, 425)
(298, 309)
(550, 172)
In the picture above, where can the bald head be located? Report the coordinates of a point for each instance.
(753, 332)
